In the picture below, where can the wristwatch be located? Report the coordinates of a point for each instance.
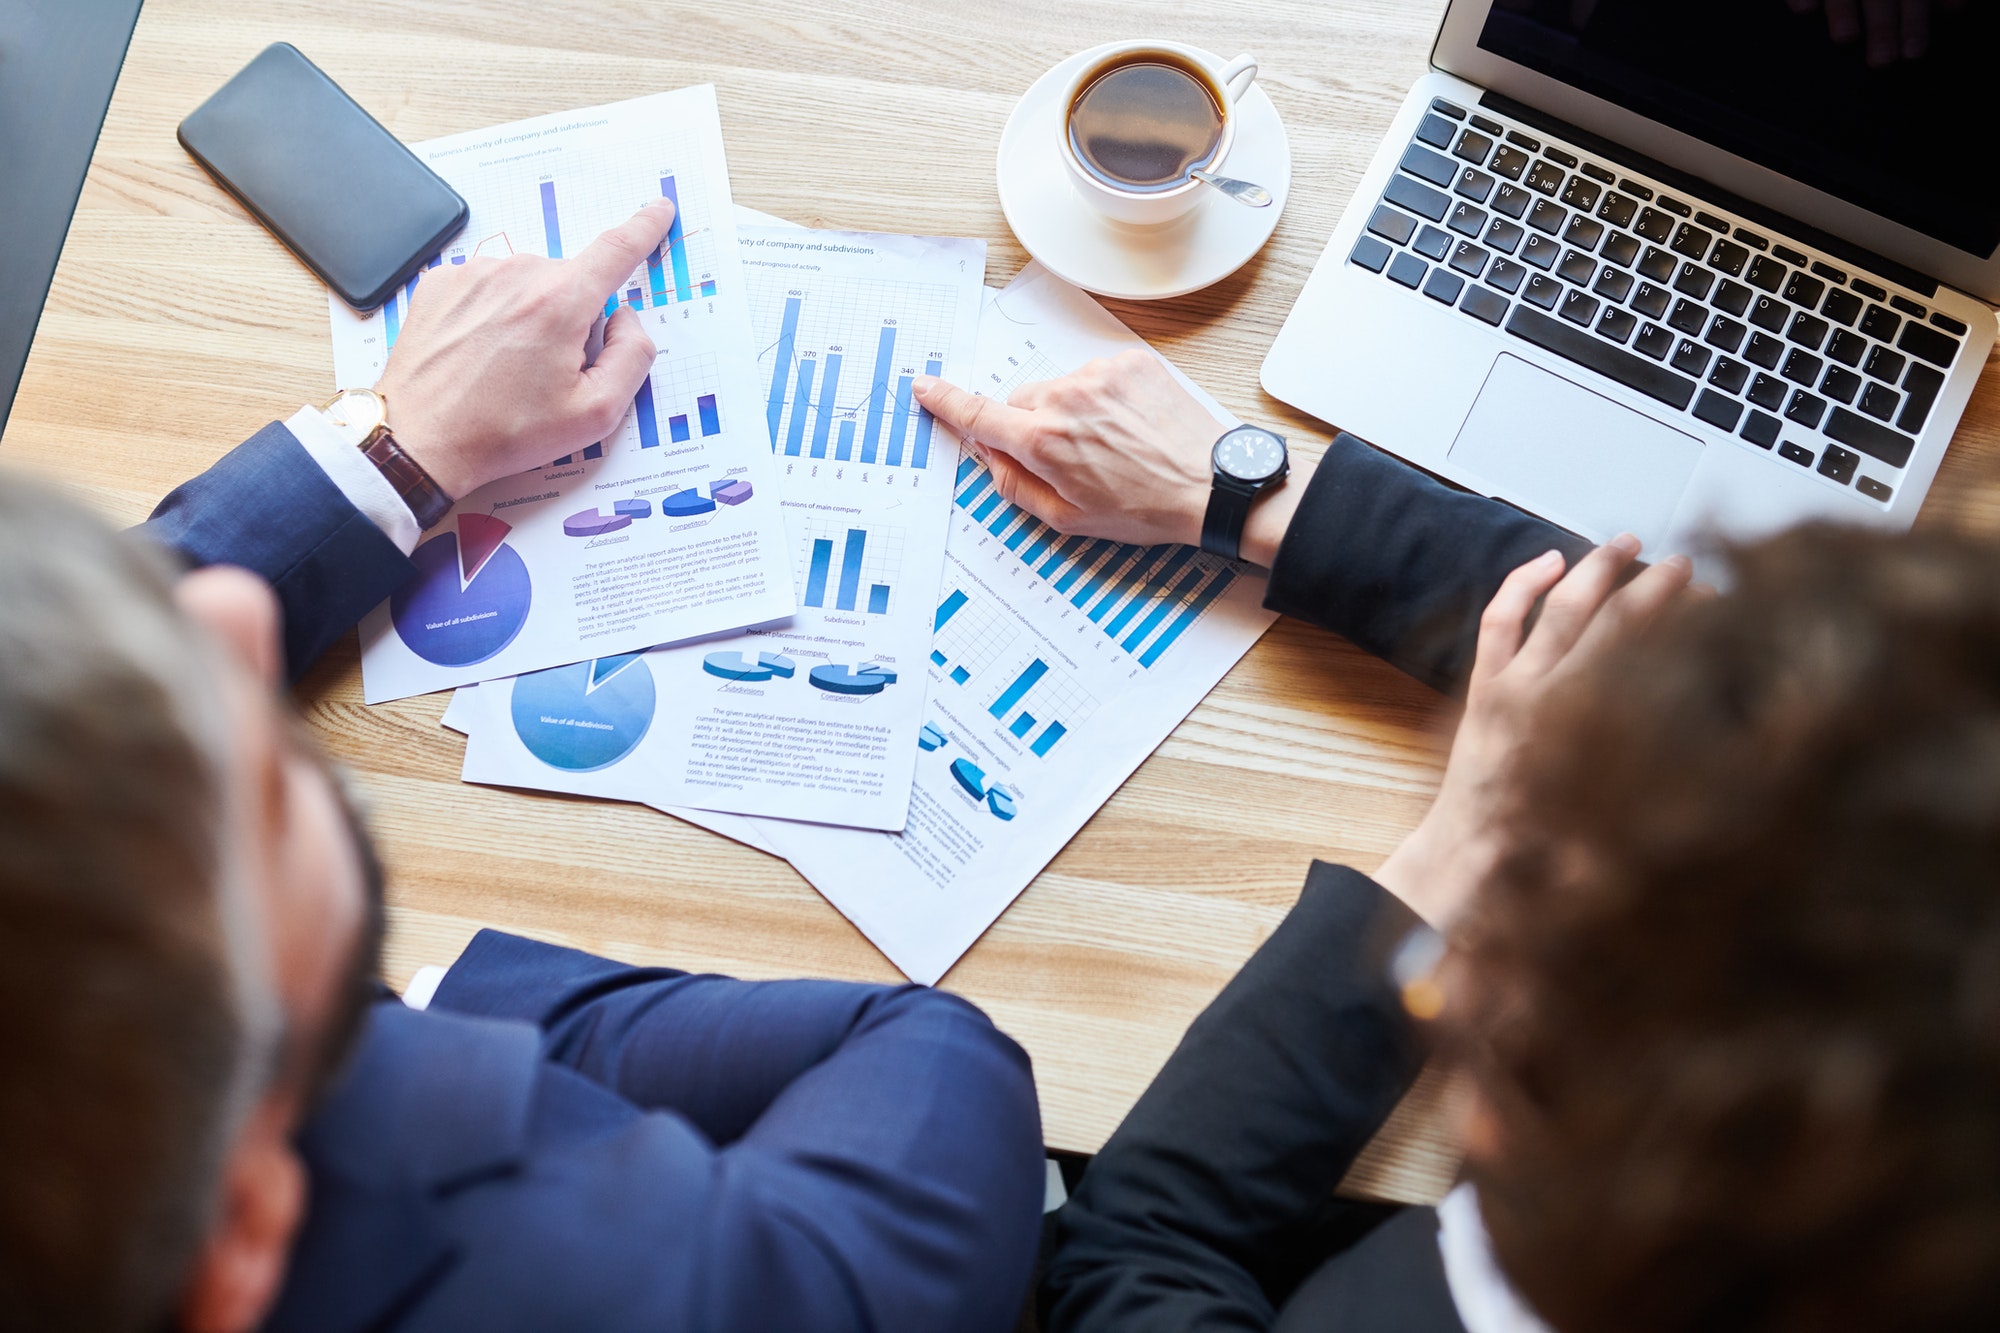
(1248, 461)
(362, 417)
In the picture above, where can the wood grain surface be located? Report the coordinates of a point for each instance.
(177, 327)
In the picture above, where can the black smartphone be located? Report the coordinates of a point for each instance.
(340, 191)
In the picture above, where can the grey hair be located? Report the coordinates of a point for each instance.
(136, 1004)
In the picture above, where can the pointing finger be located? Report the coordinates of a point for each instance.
(610, 259)
(973, 417)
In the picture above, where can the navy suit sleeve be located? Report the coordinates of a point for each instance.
(889, 1136)
(1400, 563)
(1215, 1197)
(268, 507)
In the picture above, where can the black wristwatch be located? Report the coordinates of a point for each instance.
(1248, 461)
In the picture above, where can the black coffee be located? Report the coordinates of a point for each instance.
(1143, 124)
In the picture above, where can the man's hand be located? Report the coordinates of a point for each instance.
(487, 379)
(1117, 450)
(1442, 863)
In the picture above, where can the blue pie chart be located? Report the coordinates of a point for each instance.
(587, 716)
(455, 621)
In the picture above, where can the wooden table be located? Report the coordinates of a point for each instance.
(177, 327)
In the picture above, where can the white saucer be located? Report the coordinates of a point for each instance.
(1082, 246)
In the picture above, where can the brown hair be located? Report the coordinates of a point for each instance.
(1735, 994)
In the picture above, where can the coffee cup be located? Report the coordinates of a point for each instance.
(1140, 116)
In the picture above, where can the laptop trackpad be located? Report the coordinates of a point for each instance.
(1574, 456)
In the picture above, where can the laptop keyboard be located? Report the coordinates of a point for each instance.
(1747, 333)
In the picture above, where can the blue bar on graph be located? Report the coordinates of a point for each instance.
(458, 259)
(959, 675)
(795, 438)
(901, 422)
(1014, 693)
(921, 455)
(551, 228)
(774, 409)
(611, 305)
(828, 385)
(975, 490)
(636, 299)
(649, 423)
(850, 568)
(1083, 563)
(1020, 535)
(1188, 617)
(937, 657)
(1153, 586)
(1023, 724)
(708, 287)
(1008, 514)
(948, 608)
(678, 427)
(1117, 562)
(1065, 550)
(844, 449)
(966, 467)
(390, 318)
(987, 506)
(878, 600)
(822, 560)
(591, 451)
(676, 246)
(878, 392)
(1159, 612)
(711, 421)
(1128, 578)
(656, 277)
(1052, 733)
(1034, 553)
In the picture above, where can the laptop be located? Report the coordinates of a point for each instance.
(1694, 271)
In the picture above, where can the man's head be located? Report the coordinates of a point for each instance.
(1732, 1002)
(188, 923)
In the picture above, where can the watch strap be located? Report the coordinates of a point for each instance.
(419, 490)
(1228, 511)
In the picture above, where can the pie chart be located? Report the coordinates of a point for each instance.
(587, 716)
(838, 679)
(469, 597)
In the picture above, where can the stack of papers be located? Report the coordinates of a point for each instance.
(779, 602)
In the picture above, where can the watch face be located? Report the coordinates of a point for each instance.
(1250, 453)
(357, 409)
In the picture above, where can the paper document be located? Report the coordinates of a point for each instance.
(668, 529)
(816, 718)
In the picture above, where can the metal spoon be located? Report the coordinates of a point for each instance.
(1243, 192)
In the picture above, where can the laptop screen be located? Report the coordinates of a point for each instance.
(1888, 120)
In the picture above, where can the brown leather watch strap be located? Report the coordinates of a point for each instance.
(418, 488)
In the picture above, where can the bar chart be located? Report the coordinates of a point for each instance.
(847, 568)
(1039, 704)
(670, 275)
(1143, 598)
(967, 635)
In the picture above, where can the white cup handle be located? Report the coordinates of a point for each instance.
(1237, 76)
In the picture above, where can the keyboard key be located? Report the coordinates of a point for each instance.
(1595, 172)
(1751, 239)
(1725, 333)
(1492, 127)
(1541, 252)
(1802, 367)
(1579, 309)
(1466, 220)
(1558, 155)
(1473, 147)
(1650, 301)
(1583, 233)
(1582, 194)
(1805, 290)
(1509, 162)
(1398, 227)
(1842, 307)
(1372, 254)
(1691, 358)
(1764, 350)
(1504, 236)
(1469, 259)
(1922, 385)
(1879, 401)
(1474, 184)
(1516, 137)
(1808, 331)
(1484, 303)
(1693, 281)
(1621, 249)
(1805, 409)
(1874, 440)
(1870, 290)
(1613, 284)
(1732, 297)
(1829, 272)
(1436, 131)
(1407, 269)
(1657, 264)
(1618, 210)
(1506, 275)
(1840, 385)
(1512, 200)
(1421, 162)
(1544, 291)
(1795, 453)
(1907, 306)
(1444, 108)
(1618, 325)
(1948, 324)
(1636, 190)
(1690, 317)
(1880, 325)
(1432, 243)
(1770, 315)
(1767, 275)
(1544, 179)
(1927, 344)
(1418, 198)
(1692, 241)
(1673, 205)
(1443, 286)
(1729, 376)
(1654, 225)
(1768, 393)
(1886, 365)
(1718, 411)
(1761, 430)
(1873, 489)
(1848, 348)
(1547, 217)
(1593, 353)
(1576, 267)
(1654, 341)
(1789, 255)
(1729, 257)
(1839, 463)
(1712, 222)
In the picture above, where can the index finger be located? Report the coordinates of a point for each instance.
(609, 259)
(1575, 602)
(982, 420)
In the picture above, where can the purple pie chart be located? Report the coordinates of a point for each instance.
(451, 618)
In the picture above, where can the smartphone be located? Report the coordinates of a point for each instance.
(340, 191)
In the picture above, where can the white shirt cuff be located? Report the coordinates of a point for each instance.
(349, 469)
